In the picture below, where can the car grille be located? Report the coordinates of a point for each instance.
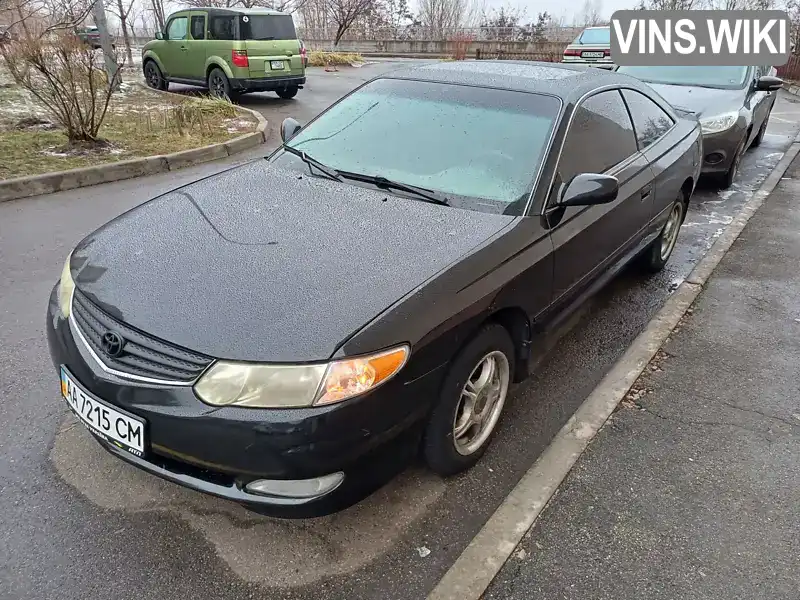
(142, 355)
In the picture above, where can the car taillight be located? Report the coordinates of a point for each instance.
(239, 58)
(571, 52)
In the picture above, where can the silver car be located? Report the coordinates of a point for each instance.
(591, 47)
(733, 105)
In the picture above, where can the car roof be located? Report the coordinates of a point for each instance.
(236, 11)
(557, 79)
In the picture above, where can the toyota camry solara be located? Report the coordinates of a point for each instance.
(291, 333)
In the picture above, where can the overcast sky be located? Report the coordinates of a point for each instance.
(559, 8)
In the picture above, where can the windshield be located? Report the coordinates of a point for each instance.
(601, 35)
(267, 27)
(712, 77)
(480, 147)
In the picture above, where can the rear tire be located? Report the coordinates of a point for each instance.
(471, 402)
(218, 84)
(287, 93)
(658, 252)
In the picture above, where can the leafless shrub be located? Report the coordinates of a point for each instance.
(66, 77)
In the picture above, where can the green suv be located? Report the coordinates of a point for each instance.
(230, 51)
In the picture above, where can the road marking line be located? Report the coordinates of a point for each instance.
(481, 561)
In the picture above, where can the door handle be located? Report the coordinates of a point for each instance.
(646, 192)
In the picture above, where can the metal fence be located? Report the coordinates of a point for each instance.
(505, 55)
(423, 33)
(791, 70)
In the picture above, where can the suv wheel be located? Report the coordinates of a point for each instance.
(153, 76)
(218, 84)
(286, 93)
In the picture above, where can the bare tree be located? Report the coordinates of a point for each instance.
(590, 14)
(66, 77)
(442, 17)
(122, 10)
(344, 13)
(158, 13)
(281, 5)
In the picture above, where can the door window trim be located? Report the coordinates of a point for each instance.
(174, 18)
(203, 16)
(610, 87)
(630, 114)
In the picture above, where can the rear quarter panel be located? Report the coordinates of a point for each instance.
(675, 158)
(218, 53)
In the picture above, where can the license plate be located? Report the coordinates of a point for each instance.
(592, 54)
(109, 423)
(276, 64)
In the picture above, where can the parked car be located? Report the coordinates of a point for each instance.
(591, 47)
(732, 103)
(91, 37)
(289, 333)
(229, 51)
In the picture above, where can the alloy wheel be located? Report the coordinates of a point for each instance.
(481, 403)
(217, 86)
(670, 234)
(153, 77)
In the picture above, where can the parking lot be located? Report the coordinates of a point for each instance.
(77, 523)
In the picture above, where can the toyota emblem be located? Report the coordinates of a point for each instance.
(112, 344)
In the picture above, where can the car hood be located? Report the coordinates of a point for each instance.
(259, 264)
(703, 102)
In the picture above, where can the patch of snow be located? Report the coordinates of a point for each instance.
(725, 194)
(423, 551)
(56, 154)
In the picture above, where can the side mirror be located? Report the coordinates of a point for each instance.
(768, 83)
(289, 129)
(587, 189)
(160, 36)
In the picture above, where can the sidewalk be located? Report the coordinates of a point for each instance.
(692, 489)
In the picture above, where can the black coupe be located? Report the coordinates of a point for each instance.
(289, 333)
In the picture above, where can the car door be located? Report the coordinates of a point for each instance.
(174, 49)
(588, 239)
(652, 126)
(195, 56)
(760, 102)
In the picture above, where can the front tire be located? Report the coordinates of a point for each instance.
(729, 176)
(154, 77)
(287, 93)
(760, 137)
(470, 403)
(658, 252)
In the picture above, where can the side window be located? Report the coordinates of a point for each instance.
(649, 120)
(198, 27)
(600, 136)
(221, 28)
(176, 30)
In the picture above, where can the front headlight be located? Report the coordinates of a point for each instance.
(719, 123)
(66, 288)
(293, 386)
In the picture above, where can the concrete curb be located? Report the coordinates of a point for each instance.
(473, 571)
(49, 183)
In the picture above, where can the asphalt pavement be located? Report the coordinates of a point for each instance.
(76, 523)
(692, 488)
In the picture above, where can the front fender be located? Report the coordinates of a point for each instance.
(216, 61)
(150, 54)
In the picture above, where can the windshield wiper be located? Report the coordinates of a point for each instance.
(326, 170)
(384, 183)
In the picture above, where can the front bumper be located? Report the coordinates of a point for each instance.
(220, 450)
(719, 148)
(268, 84)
